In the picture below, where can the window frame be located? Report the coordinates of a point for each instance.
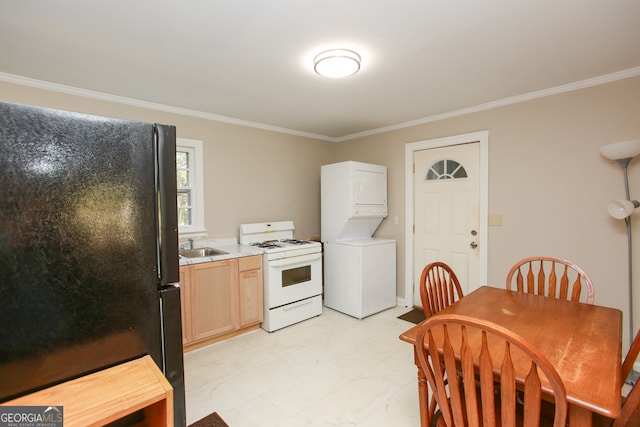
(435, 174)
(194, 148)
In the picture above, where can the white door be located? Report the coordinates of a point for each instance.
(447, 212)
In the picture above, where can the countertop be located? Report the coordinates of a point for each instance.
(233, 249)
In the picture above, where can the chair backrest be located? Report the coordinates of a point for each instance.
(456, 351)
(439, 288)
(632, 402)
(552, 277)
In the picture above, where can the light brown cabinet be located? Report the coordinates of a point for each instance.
(109, 395)
(220, 298)
(250, 282)
(214, 298)
(185, 304)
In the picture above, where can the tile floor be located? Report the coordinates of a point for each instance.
(332, 370)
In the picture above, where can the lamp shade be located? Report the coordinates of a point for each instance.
(620, 209)
(621, 150)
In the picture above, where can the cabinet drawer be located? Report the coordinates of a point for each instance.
(250, 263)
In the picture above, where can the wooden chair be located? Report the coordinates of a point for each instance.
(439, 288)
(542, 273)
(474, 382)
(630, 414)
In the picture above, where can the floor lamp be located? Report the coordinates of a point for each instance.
(623, 152)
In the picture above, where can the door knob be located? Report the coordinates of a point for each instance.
(473, 245)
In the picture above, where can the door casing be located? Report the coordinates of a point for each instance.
(482, 137)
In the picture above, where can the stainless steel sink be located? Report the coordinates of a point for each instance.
(200, 252)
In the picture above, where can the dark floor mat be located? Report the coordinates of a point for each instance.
(211, 420)
(414, 316)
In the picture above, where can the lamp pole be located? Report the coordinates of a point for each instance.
(625, 164)
(623, 152)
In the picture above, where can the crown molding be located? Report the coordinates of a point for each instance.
(70, 90)
(582, 84)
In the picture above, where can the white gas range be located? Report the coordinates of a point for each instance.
(292, 273)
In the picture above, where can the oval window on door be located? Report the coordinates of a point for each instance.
(445, 169)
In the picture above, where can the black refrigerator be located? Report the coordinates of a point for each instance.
(88, 248)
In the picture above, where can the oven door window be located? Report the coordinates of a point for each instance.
(297, 275)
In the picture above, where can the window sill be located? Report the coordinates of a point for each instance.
(192, 234)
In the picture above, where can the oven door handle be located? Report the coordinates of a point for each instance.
(298, 260)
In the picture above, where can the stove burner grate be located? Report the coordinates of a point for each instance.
(267, 244)
(270, 244)
(295, 241)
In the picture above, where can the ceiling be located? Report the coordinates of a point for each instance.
(250, 61)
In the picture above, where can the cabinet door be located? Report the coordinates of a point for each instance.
(250, 280)
(185, 303)
(214, 298)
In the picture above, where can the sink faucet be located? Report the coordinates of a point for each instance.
(187, 245)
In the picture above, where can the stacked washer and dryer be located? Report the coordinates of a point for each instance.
(359, 269)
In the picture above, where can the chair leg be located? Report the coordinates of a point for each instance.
(437, 420)
(432, 408)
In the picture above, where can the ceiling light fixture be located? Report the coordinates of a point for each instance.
(337, 63)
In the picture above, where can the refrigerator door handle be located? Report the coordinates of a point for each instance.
(166, 203)
(172, 360)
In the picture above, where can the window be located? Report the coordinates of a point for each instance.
(446, 169)
(190, 187)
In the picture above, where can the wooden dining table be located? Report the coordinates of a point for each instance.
(582, 341)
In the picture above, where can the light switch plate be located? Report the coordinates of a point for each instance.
(495, 220)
